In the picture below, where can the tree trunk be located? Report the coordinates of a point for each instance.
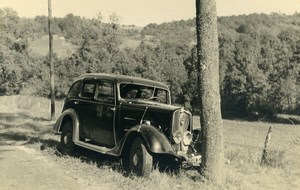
(212, 164)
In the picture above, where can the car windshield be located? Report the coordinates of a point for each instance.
(136, 91)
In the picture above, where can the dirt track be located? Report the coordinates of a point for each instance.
(23, 165)
(27, 168)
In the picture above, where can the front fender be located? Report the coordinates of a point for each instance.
(155, 140)
(70, 115)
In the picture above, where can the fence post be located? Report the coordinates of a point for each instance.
(264, 158)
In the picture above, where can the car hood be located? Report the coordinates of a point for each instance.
(152, 105)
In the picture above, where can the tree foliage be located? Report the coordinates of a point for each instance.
(259, 57)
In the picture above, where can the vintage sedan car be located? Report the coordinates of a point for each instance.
(128, 117)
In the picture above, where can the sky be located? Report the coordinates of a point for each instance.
(143, 12)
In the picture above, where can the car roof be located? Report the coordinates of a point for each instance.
(123, 79)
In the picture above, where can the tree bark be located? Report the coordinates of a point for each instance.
(212, 163)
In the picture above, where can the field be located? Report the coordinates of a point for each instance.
(40, 46)
(63, 49)
(24, 122)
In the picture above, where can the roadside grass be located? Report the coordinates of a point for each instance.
(24, 120)
(244, 145)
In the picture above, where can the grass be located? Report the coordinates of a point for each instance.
(63, 49)
(244, 145)
(131, 43)
(40, 46)
(25, 120)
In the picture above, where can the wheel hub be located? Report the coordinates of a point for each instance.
(66, 139)
(135, 159)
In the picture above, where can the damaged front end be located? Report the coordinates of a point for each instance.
(185, 140)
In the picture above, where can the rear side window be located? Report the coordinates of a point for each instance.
(75, 89)
(88, 89)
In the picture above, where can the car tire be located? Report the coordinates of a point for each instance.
(66, 139)
(140, 160)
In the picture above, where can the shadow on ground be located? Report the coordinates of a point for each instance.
(115, 163)
(22, 129)
(9, 117)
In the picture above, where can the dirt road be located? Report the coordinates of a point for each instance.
(23, 165)
(23, 168)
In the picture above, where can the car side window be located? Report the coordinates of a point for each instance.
(131, 94)
(105, 92)
(162, 96)
(75, 89)
(88, 90)
(146, 93)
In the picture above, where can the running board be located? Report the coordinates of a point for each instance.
(95, 148)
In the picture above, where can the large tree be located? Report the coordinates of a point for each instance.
(212, 164)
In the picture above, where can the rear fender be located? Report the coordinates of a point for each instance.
(68, 115)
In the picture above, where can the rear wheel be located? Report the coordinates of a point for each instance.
(140, 161)
(66, 139)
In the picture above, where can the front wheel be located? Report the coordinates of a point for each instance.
(66, 139)
(140, 161)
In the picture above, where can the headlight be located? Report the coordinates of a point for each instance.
(177, 137)
(187, 138)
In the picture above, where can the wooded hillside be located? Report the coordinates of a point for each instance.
(259, 57)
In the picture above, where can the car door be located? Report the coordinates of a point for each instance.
(102, 128)
(86, 108)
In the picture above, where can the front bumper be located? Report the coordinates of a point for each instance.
(188, 154)
(193, 159)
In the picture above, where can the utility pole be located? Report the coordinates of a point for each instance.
(51, 61)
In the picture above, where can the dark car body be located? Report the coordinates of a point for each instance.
(107, 113)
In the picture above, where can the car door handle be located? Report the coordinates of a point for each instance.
(113, 109)
(76, 102)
